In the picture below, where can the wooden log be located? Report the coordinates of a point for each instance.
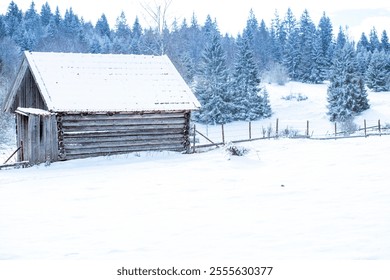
(157, 127)
(114, 138)
(118, 145)
(121, 133)
(80, 153)
(119, 116)
(122, 122)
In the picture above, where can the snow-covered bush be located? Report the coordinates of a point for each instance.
(277, 73)
(348, 127)
(289, 132)
(295, 96)
(234, 150)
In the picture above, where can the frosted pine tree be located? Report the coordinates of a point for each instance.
(385, 45)
(212, 88)
(250, 99)
(378, 72)
(347, 96)
(306, 68)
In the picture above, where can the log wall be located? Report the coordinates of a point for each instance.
(88, 135)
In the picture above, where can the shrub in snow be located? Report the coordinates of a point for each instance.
(289, 132)
(277, 73)
(234, 150)
(295, 96)
(348, 126)
(267, 131)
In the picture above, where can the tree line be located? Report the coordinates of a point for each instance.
(224, 71)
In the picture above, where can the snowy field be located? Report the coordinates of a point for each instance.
(286, 199)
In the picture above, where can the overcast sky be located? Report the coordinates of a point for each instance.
(231, 15)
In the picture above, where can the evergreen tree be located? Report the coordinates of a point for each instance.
(278, 36)
(250, 99)
(46, 14)
(363, 44)
(347, 96)
(209, 30)
(374, 40)
(385, 45)
(341, 40)
(212, 86)
(291, 56)
(363, 58)
(307, 71)
(122, 38)
(57, 17)
(102, 27)
(70, 25)
(32, 29)
(135, 45)
(325, 30)
(13, 19)
(3, 31)
(319, 64)
(378, 72)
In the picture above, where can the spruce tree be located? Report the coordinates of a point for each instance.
(3, 31)
(374, 40)
(13, 19)
(212, 88)
(46, 14)
(378, 72)
(136, 32)
(363, 44)
(385, 45)
(306, 37)
(347, 96)
(325, 34)
(250, 99)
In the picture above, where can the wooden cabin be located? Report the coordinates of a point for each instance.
(71, 106)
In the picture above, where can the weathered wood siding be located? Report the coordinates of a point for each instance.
(28, 94)
(87, 135)
(37, 135)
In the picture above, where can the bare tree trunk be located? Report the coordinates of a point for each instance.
(157, 12)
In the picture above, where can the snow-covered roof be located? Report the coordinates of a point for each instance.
(109, 82)
(32, 111)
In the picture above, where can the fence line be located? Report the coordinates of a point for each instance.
(219, 135)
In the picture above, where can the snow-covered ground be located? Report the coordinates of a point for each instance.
(285, 199)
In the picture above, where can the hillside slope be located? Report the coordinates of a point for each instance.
(285, 199)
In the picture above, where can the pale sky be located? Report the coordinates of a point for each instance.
(231, 15)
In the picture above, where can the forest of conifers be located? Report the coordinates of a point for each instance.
(289, 47)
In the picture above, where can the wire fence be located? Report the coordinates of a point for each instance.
(203, 136)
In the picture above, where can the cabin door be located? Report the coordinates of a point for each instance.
(37, 135)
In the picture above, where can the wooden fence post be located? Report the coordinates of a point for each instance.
(193, 146)
(250, 130)
(307, 128)
(21, 153)
(223, 134)
(365, 128)
(379, 127)
(277, 128)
